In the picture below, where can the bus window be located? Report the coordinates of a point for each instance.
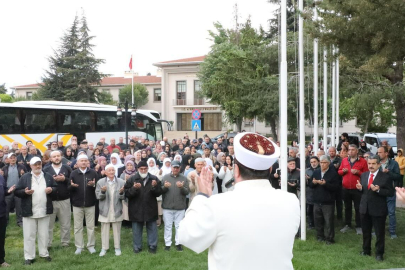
(159, 131)
(9, 121)
(39, 121)
(74, 122)
(106, 122)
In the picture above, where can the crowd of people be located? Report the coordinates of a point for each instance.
(150, 183)
(144, 183)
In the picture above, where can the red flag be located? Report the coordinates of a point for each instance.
(130, 63)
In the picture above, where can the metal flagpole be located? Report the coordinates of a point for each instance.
(337, 96)
(132, 92)
(315, 88)
(283, 95)
(302, 119)
(333, 140)
(325, 99)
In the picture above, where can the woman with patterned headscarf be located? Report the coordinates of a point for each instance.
(130, 170)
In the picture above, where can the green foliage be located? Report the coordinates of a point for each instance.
(140, 94)
(3, 89)
(73, 70)
(6, 98)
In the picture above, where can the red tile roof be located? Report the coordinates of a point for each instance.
(184, 60)
(113, 81)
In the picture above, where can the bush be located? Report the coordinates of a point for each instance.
(6, 98)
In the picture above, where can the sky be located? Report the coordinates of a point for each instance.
(152, 31)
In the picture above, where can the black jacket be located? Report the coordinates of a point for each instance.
(25, 161)
(83, 195)
(26, 200)
(63, 186)
(20, 168)
(142, 203)
(375, 202)
(275, 181)
(293, 177)
(3, 194)
(324, 194)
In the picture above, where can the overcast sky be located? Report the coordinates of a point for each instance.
(153, 31)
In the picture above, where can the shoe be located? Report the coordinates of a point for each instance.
(379, 258)
(48, 259)
(102, 253)
(136, 250)
(28, 262)
(117, 252)
(394, 236)
(152, 250)
(78, 251)
(345, 229)
(330, 242)
(179, 248)
(365, 253)
(92, 250)
(167, 248)
(359, 231)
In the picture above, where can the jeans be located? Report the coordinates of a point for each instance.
(151, 230)
(170, 216)
(391, 201)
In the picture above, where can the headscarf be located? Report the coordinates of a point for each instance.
(133, 171)
(119, 163)
(99, 159)
(185, 163)
(71, 154)
(166, 170)
(129, 157)
(209, 162)
(178, 156)
(140, 153)
(219, 158)
(154, 169)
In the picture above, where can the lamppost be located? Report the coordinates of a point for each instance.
(126, 111)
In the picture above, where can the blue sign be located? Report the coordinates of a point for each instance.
(196, 125)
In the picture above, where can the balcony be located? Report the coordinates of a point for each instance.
(189, 102)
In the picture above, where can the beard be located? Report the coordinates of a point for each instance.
(57, 163)
(37, 171)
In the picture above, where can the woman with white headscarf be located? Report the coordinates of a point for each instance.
(166, 167)
(154, 170)
(210, 165)
(178, 158)
(117, 163)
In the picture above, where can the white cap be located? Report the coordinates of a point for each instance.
(10, 155)
(82, 156)
(35, 160)
(162, 143)
(255, 151)
(109, 166)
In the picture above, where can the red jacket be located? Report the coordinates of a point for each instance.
(349, 179)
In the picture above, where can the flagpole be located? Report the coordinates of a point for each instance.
(132, 92)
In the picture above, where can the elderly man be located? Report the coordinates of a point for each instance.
(309, 173)
(292, 154)
(324, 184)
(375, 186)
(36, 190)
(82, 190)
(12, 173)
(215, 222)
(24, 158)
(335, 161)
(61, 204)
(350, 169)
(60, 146)
(121, 143)
(142, 189)
(174, 190)
(113, 146)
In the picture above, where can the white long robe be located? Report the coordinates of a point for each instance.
(252, 227)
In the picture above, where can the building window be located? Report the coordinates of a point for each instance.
(198, 97)
(106, 91)
(28, 95)
(157, 94)
(181, 88)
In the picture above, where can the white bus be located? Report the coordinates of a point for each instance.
(45, 121)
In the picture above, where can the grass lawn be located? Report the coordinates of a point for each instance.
(308, 254)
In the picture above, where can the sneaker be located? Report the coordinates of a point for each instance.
(179, 248)
(152, 250)
(117, 252)
(345, 229)
(394, 236)
(78, 251)
(28, 262)
(167, 248)
(102, 253)
(359, 231)
(92, 250)
(136, 251)
(48, 258)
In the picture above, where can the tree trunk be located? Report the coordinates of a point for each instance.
(273, 128)
(400, 114)
(238, 123)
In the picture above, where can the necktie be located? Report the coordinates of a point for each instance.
(370, 181)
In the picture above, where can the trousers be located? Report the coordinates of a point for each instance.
(78, 214)
(170, 216)
(349, 196)
(61, 209)
(31, 228)
(324, 216)
(105, 234)
(151, 230)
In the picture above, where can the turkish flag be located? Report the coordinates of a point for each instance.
(130, 63)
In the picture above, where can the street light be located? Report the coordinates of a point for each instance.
(132, 110)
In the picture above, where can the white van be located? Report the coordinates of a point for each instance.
(373, 141)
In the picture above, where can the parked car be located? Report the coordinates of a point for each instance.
(231, 134)
(354, 138)
(373, 141)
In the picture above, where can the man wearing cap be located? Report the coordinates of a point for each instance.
(218, 222)
(174, 191)
(61, 204)
(36, 190)
(12, 173)
(84, 147)
(82, 189)
(142, 189)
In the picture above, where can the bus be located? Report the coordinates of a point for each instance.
(45, 121)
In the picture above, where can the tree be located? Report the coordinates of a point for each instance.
(73, 74)
(140, 94)
(368, 33)
(3, 89)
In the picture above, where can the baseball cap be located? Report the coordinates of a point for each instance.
(175, 163)
(35, 160)
(194, 140)
(11, 154)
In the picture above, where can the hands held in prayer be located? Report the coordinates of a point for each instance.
(121, 190)
(28, 191)
(104, 189)
(160, 172)
(167, 184)
(11, 189)
(358, 185)
(59, 178)
(354, 171)
(345, 170)
(154, 183)
(180, 184)
(137, 185)
(386, 170)
(319, 182)
(374, 187)
(22, 172)
(73, 184)
(205, 181)
(48, 190)
(91, 183)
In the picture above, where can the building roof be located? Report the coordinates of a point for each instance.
(184, 61)
(112, 81)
